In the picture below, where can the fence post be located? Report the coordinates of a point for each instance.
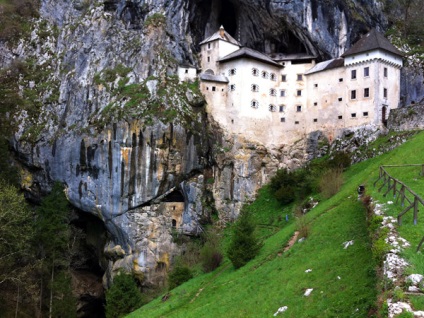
(415, 210)
(422, 171)
(394, 189)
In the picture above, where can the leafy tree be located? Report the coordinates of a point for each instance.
(52, 237)
(210, 254)
(122, 297)
(244, 244)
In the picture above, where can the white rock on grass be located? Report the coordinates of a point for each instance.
(280, 310)
(308, 292)
(414, 279)
(347, 244)
(397, 308)
(308, 270)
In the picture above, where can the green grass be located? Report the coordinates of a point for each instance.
(276, 278)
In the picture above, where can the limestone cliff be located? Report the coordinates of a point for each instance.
(133, 145)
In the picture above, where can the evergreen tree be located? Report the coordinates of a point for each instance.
(122, 297)
(244, 244)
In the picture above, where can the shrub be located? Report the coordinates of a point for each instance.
(340, 160)
(210, 255)
(122, 297)
(331, 182)
(179, 275)
(244, 245)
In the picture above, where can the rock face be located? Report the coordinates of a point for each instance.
(407, 118)
(134, 146)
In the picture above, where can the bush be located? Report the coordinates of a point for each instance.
(179, 275)
(210, 255)
(244, 245)
(340, 160)
(331, 182)
(122, 297)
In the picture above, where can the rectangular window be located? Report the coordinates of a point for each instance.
(353, 115)
(340, 99)
(315, 120)
(209, 58)
(299, 92)
(366, 71)
(315, 85)
(232, 87)
(385, 72)
(353, 74)
(366, 92)
(283, 119)
(283, 77)
(385, 92)
(353, 94)
(299, 108)
(213, 88)
(281, 108)
(282, 93)
(299, 77)
(365, 114)
(209, 45)
(296, 123)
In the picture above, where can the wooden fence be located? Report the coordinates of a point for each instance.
(400, 191)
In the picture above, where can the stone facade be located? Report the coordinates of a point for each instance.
(278, 99)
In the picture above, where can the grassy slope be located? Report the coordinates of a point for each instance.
(271, 281)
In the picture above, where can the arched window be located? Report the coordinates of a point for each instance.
(254, 103)
(232, 72)
(255, 72)
(272, 77)
(254, 87)
(264, 74)
(272, 108)
(273, 92)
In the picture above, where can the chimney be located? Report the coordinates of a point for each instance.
(221, 31)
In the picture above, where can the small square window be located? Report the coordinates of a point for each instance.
(340, 79)
(283, 119)
(340, 117)
(366, 71)
(299, 92)
(365, 114)
(366, 92)
(340, 99)
(353, 115)
(315, 104)
(281, 108)
(315, 120)
(299, 108)
(353, 74)
(282, 93)
(284, 78)
(299, 77)
(296, 123)
(186, 71)
(315, 85)
(353, 94)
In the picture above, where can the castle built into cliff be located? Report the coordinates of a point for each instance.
(277, 99)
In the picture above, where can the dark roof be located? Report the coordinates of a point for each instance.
(326, 65)
(373, 40)
(291, 57)
(213, 78)
(248, 53)
(217, 36)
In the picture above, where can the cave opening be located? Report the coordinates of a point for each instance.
(88, 264)
(228, 18)
(174, 196)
